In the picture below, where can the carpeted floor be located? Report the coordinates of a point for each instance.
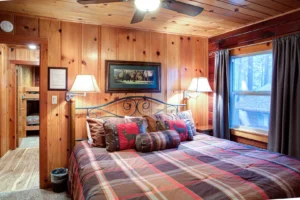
(35, 194)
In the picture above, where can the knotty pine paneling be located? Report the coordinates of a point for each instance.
(173, 69)
(25, 25)
(84, 48)
(158, 53)
(109, 49)
(4, 120)
(57, 114)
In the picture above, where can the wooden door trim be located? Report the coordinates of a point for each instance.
(12, 107)
(13, 122)
(23, 62)
(21, 40)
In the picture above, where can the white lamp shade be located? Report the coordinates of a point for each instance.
(199, 84)
(85, 83)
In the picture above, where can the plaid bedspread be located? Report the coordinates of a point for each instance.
(206, 168)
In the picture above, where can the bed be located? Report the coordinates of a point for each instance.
(33, 119)
(205, 168)
(30, 95)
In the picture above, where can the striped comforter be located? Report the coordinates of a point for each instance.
(206, 168)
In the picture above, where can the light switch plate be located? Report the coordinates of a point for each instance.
(54, 99)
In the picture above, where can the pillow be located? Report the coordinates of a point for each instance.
(135, 119)
(154, 121)
(188, 115)
(122, 136)
(97, 132)
(151, 121)
(157, 141)
(182, 127)
(166, 116)
(90, 139)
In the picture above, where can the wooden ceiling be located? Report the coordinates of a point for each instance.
(219, 16)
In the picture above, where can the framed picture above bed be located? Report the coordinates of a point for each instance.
(132, 77)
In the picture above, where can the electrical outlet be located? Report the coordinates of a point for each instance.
(54, 99)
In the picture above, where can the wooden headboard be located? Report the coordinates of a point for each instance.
(133, 105)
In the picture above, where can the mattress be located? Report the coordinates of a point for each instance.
(33, 119)
(206, 168)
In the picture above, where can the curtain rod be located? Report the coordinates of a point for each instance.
(249, 45)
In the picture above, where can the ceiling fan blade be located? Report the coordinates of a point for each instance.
(99, 1)
(183, 8)
(138, 17)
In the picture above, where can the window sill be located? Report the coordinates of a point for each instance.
(260, 136)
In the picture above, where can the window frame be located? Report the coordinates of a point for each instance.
(233, 93)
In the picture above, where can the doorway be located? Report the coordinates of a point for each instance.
(19, 113)
(44, 177)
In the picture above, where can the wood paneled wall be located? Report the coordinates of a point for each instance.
(4, 119)
(84, 48)
(250, 35)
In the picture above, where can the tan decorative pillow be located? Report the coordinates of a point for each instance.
(97, 129)
(151, 120)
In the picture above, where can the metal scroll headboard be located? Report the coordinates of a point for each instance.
(132, 104)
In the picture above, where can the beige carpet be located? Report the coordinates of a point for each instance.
(35, 194)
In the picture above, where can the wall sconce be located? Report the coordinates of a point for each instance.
(197, 85)
(83, 84)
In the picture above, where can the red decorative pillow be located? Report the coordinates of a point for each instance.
(122, 136)
(182, 127)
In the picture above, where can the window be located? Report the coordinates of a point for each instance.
(250, 91)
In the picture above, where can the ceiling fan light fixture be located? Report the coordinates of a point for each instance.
(147, 5)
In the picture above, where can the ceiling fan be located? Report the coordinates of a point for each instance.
(145, 6)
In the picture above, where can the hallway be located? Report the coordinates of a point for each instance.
(19, 169)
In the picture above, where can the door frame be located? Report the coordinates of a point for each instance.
(43, 146)
(14, 139)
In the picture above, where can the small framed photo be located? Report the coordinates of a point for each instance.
(57, 78)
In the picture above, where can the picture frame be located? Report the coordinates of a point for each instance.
(132, 77)
(57, 78)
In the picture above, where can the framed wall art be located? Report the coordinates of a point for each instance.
(57, 78)
(132, 77)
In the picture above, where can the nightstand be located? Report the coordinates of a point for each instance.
(205, 129)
